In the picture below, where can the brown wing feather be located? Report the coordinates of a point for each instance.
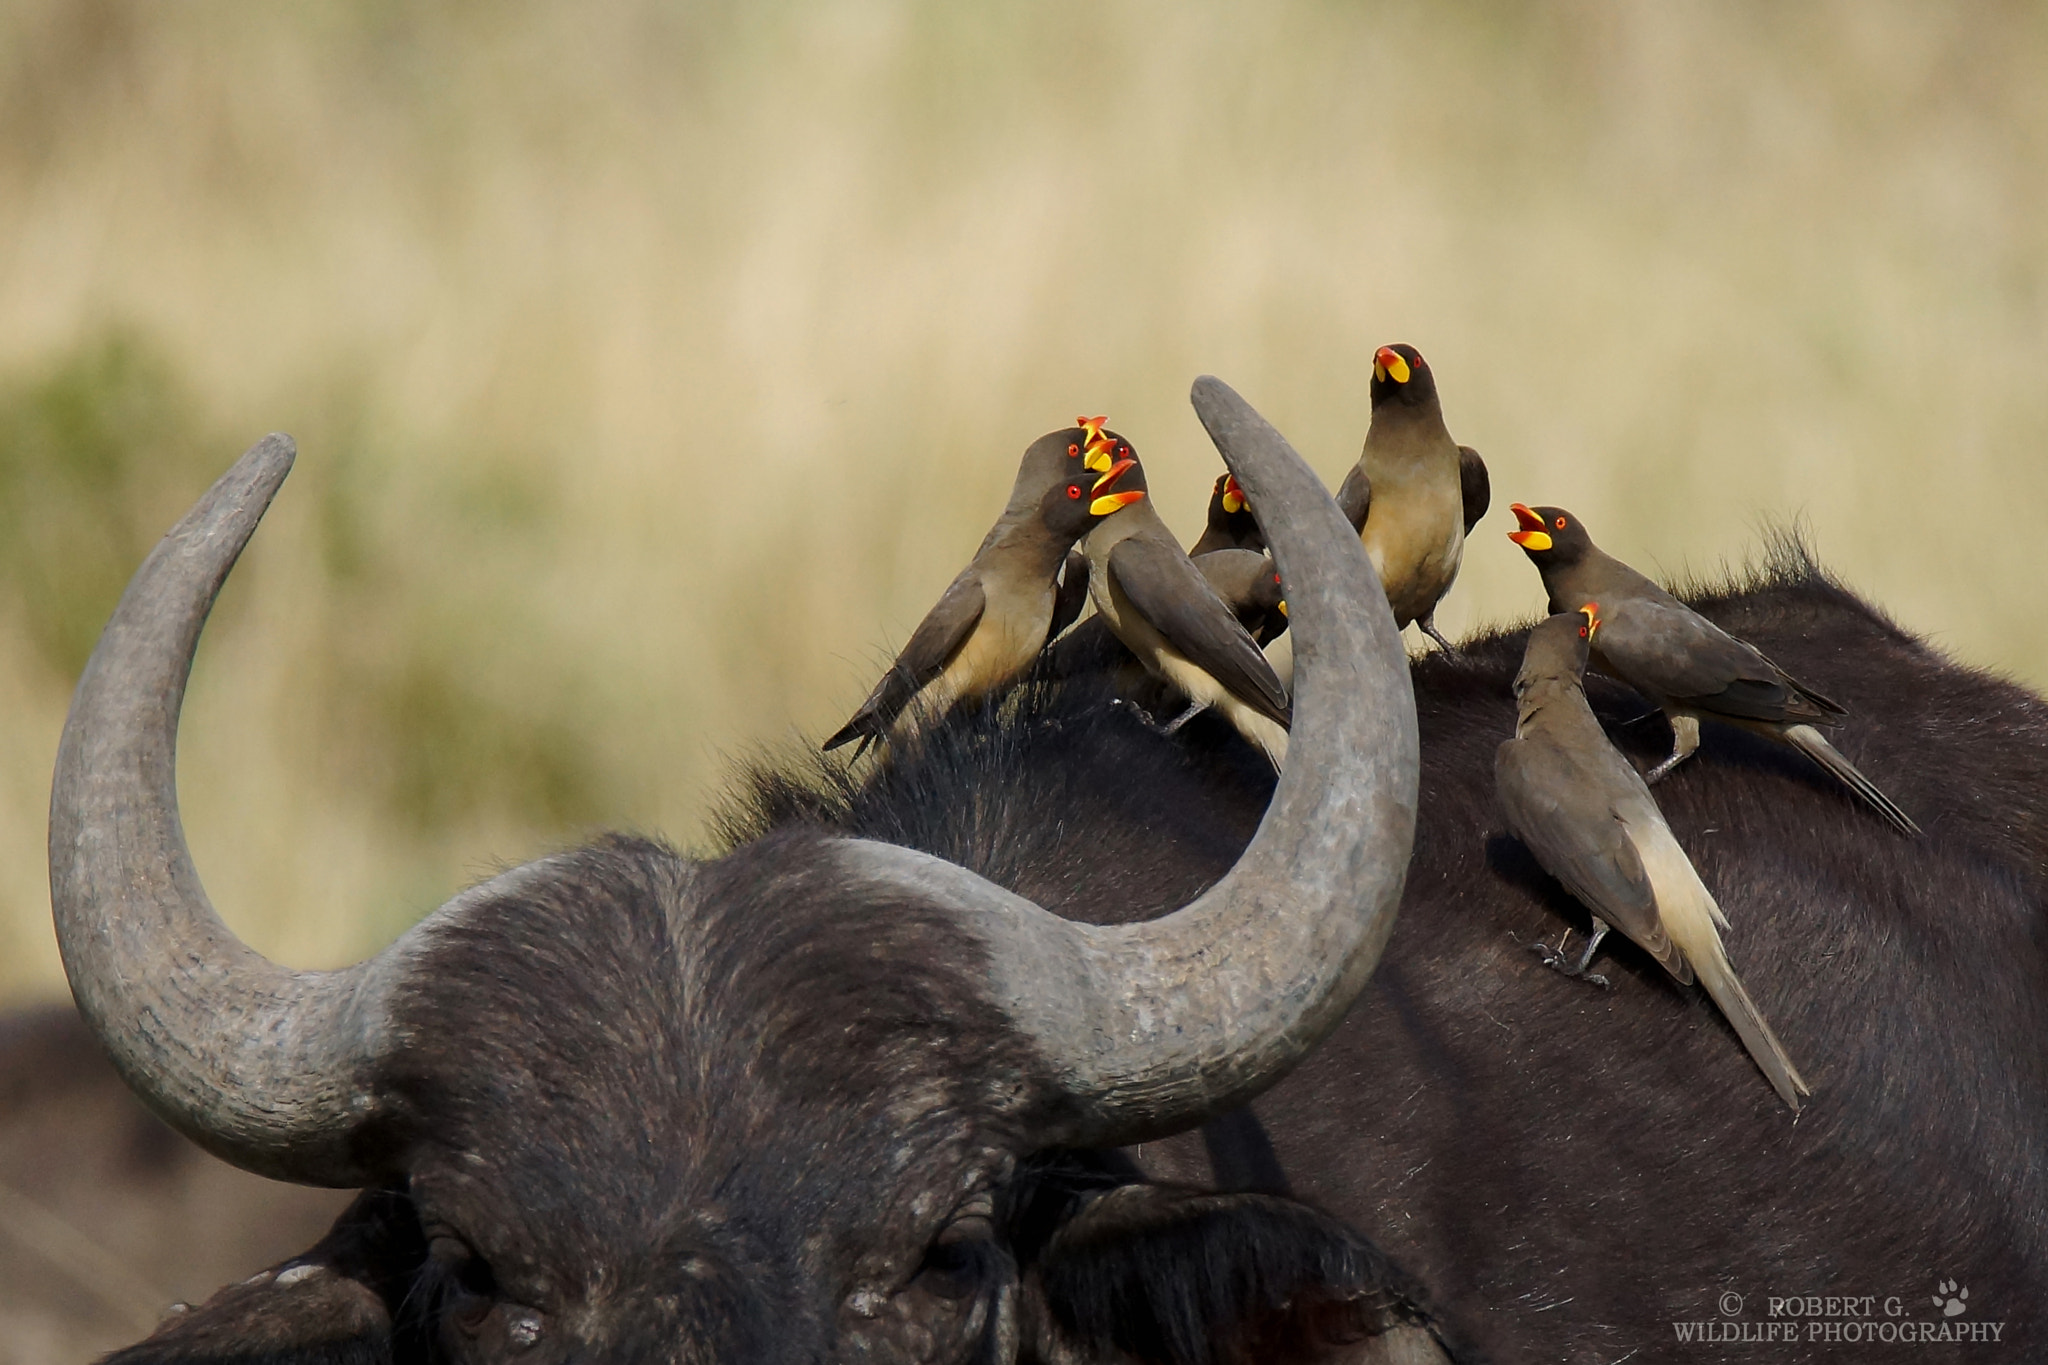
(1164, 585)
(1354, 497)
(1559, 807)
(937, 638)
(1473, 483)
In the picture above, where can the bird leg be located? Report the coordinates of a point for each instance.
(1554, 958)
(1145, 717)
(1685, 741)
(1427, 625)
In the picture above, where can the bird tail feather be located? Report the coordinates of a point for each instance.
(1810, 742)
(1267, 734)
(1689, 914)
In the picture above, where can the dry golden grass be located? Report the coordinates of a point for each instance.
(654, 370)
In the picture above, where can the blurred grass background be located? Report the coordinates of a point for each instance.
(654, 366)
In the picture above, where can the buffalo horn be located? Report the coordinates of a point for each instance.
(260, 1064)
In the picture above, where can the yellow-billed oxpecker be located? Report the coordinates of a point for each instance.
(1231, 525)
(1681, 662)
(1249, 584)
(1415, 493)
(998, 613)
(1153, 598)
(1589, 818)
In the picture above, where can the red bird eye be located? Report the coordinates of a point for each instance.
(1073, 490)
(1276, 578)
(1560, 523)
(1582, 632)
(1073, 450)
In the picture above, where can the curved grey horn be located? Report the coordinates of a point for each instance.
(257, 1063)
(1152, 1027)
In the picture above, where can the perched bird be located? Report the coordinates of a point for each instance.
(1249, 584)
(1684, 664)
(1153, 598)
(998, 613)
(1231, 523)
(1589, 818)
(1046, 461)
(1232, 555)
(1415, 493)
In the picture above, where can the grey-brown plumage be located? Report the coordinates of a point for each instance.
(1414, 493)
(1589, 818)
(996, 616)
(1153, 598)
(1681, 662)
(1230, 525)
(1249, 584)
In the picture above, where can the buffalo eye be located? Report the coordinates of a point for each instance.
(468, 1290)
(956, 1265)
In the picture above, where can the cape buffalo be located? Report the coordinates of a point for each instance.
(823, 1098)
(1582, 1175)
(674, 1110)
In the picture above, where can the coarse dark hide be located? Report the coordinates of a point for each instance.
(809, 1101)
(653, 1091)
(660, 1097)
(1568, 1171)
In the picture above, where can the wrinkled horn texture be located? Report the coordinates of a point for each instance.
(1154, 1026)
(259, 1064)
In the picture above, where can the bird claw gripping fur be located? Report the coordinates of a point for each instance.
(1558, 961)
(1146, 719)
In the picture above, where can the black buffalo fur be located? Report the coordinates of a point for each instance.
(691, 1095)
(1571, 1171)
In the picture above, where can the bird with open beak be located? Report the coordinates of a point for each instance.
(1587, 815)
(1681, 662)
(1415, 494)
(996, 616)
(1153, 599)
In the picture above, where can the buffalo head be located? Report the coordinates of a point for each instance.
(819, 1099)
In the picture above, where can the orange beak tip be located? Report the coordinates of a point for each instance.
(1112, 472)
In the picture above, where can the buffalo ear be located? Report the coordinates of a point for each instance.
(332, 1305)
(1172, 1276)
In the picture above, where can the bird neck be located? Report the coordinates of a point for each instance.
(1031, 544)
(1404, 440)
(1548, 696)
(1136, 520)
(1589, 576)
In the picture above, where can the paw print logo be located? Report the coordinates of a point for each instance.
(1950, 1299)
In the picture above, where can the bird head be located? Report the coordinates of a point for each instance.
(1549, 535)
(1401, 375)
(1557, 648)
(1080, 500)
(1051, 459)
(1099, 447)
